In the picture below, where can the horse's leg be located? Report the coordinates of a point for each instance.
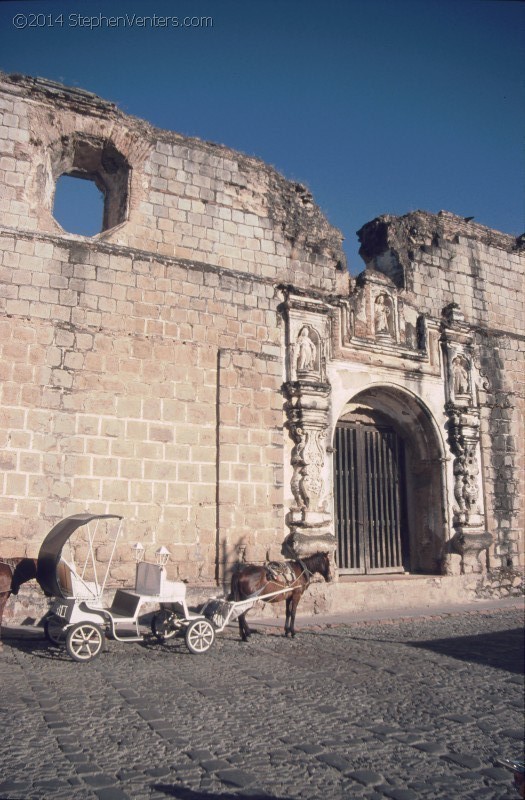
(287, 621)
(294, 602)
(4, 596)
(243, 628)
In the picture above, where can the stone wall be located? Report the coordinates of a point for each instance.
(141, 367)
(187, 366)
(501, 583)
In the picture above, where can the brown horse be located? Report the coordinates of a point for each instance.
(13, 573)
(252, 581)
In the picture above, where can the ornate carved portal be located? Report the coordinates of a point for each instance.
(470, 537)
(307, 409)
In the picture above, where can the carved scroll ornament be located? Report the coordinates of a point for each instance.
(307, 460)
(464, 439)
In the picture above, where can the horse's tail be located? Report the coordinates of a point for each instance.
(24, 571)
(235, 592)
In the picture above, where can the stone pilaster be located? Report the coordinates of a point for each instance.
(307, 408)
(470, 536)
(309, 518)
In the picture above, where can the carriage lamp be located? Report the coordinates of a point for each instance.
(162, 555)
(138, 552)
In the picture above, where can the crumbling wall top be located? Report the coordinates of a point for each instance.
(185, 198)
(441, 259)
(57, 93)
(391, 243)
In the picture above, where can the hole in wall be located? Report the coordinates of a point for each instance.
(79, 205)
(91, 184)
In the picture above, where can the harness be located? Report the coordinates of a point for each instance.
(280, 569)
(283, 569)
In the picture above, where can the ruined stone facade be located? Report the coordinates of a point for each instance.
(204, 363)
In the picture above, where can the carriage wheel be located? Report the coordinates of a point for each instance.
(200, 635)
(85, 641)
(162, 625)
(54, 630)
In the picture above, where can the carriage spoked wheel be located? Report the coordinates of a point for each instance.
(163, 625)
(85, 641)
(54, 630)
(200, 635)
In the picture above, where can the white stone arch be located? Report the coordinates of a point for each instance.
(427, 460)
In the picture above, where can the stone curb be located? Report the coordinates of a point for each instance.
(390, 616)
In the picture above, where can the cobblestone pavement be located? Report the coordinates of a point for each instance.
(406, 709)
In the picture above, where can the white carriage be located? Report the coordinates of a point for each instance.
(77, 614)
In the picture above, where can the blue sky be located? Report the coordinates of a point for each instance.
(378, 106)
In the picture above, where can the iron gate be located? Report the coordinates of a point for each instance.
(369, 498)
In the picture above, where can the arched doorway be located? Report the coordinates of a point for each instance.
(388, 485)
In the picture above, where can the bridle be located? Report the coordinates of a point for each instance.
(309, 573)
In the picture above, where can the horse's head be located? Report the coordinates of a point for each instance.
(324, 567)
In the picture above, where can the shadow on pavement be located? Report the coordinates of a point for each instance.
(181, 793)
(37, 647)
(501, 650)
(33, 642)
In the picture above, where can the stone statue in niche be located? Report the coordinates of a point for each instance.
(383, 315)
(460, 375)
(306, 352)
(350, 324)
(421, 332)
(347, 321)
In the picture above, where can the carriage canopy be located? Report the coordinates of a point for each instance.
(51, 549)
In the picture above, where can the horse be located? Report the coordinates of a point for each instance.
(13, 573)
(253, 581)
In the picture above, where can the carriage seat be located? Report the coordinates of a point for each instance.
(73, 585)
(151, 580)
(125, 604)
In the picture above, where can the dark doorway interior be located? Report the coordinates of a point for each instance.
(370, 499)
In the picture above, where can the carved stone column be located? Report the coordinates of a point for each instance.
(309, 519)
(307, 408)
(470, 537)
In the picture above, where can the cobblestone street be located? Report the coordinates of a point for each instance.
(401, 709)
